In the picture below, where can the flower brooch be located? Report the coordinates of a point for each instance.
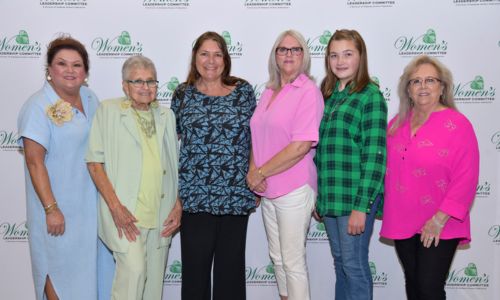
(60, 112)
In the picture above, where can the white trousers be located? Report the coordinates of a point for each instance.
(140, 271)
(286, 220)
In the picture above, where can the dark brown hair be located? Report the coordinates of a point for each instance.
(362, 77)
(194, 75)
(67, 42)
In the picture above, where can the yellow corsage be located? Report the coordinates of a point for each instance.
(60, 112)
(154, 104)
(126, 104)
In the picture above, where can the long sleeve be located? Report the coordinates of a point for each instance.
(464, 173)
(373, 151)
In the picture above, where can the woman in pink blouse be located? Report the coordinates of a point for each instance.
(285, 131)
(431, 179)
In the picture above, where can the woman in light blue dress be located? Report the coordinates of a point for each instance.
(61, 199)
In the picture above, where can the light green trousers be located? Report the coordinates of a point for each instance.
(139, 272)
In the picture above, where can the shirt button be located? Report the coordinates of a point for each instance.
(162, 196)
(164, 172)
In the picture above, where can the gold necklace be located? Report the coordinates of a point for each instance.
(147, 127)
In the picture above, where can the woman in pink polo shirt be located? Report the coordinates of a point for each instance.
(284, 129)
(431, 179)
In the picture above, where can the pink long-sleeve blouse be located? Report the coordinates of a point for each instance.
(435, 169)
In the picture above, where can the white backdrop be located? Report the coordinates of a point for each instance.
(464, 34)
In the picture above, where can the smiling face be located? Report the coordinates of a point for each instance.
(344, 60)
(210, 61)
(67, 71)
(141, 96)
(289, 64)
(425, 94)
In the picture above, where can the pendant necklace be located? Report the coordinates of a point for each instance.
(147, 127)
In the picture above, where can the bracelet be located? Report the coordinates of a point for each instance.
(49, 208)
(259, 170)
(436, 222)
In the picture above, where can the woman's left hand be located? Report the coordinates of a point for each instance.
(432, 229)
(173, 221)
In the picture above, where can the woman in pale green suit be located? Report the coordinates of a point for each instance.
(133, 159)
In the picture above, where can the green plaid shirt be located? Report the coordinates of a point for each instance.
(350, 156)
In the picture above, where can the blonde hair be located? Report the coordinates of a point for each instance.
(406, 104)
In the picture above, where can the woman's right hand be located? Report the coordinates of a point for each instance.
(255, 181)
(124, 222)
(55, 222)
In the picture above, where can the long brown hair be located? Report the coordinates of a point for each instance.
(362, 77)
(194, 75)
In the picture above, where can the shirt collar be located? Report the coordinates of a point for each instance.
(344, 92)
(300, 80)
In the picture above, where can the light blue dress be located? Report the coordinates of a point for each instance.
(69, 260)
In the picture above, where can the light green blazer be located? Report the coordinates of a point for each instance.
(115, 141)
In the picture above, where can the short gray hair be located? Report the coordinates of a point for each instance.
(274, 81)
(135, 62)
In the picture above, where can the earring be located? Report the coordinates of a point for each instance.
(49, 78)
(86, 79)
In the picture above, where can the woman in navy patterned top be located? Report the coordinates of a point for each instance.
(213, 111)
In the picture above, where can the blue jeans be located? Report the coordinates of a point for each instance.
(350, 255)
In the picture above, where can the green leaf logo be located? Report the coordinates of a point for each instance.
(430, 37)
(176, 267)
(373, 268)
(320, 226)
(471, 270)
(270, 268)
(325, 37)
(477, 83)
(22, 38)
(124, 38)
(227, 37)
(173, 83)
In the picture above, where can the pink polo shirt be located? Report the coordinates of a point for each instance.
(294, 115)
(436, 169)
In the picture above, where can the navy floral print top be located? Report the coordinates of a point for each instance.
(215, 149)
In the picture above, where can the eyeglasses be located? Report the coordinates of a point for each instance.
(282, 51)
(429, 81)
(140, 83)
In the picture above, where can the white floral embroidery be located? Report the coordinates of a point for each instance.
(450, 125)
(400, 188)
(425, 200)
(419, 172)
(442, 184)
(425, 143)
(443, 152)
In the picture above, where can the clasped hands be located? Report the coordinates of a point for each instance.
(255, 181)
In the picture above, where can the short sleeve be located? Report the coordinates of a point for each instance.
(308, 117)
(95, 152)
(34, 124)
(175, 105)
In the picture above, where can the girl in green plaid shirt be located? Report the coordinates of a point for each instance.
(350, 160)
